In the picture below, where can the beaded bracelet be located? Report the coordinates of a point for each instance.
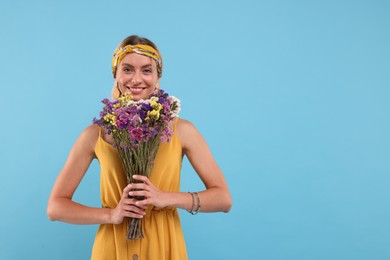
(193, 203)
(197, 197)
(194, 194)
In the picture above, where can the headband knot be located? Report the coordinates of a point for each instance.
(141, 49)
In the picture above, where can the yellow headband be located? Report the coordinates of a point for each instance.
(145, 50)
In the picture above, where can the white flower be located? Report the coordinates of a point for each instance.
(176, 111)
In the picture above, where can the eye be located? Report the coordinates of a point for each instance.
(148, 71)
(127, 69)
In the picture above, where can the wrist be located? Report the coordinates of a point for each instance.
(109, 216)
(182, 200)
(167, 199)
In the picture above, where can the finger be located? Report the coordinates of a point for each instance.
(142, 178)
(139, 186)
(126, 191)
(131, 214)
(143, 203)
(139, 193)
(129, 201)
(135, 209)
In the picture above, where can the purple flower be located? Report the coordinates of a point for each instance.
(136, 134)
(147, 107)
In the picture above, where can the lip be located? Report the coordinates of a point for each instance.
(136, 90)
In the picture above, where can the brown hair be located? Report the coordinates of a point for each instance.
(133, 40)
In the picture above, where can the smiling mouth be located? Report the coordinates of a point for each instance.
(136, 88)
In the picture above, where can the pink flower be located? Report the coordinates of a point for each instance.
(136, 134)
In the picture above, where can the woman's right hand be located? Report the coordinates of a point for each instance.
(126, 208)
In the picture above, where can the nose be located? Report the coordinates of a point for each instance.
(136, 80)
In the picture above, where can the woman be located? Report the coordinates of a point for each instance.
(137, 69)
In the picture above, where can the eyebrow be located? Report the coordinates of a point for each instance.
(143, 66)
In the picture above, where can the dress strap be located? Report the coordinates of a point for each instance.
(100, 132)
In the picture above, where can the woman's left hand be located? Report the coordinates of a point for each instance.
(151, 194)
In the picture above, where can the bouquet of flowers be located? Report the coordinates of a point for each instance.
(138, 128)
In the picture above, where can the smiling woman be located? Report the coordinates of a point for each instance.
(137, 75)
(128, 75)
(137, 69)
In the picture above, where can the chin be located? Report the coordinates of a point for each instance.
(139, 97)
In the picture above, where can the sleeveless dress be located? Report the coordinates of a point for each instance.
(163, 237)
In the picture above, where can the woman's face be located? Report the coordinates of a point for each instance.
(137, 75)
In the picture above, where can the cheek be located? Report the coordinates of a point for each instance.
(122, 79)
(151, 80)
(121, 84)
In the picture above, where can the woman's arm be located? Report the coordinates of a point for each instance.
(62, 208)
(215, 198)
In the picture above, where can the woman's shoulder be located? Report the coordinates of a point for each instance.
(89, 136)
(186, 132)
(184, 125)
(91, 131)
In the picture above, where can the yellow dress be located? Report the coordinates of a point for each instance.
(163, 236)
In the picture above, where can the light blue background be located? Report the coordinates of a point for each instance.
(292, 96)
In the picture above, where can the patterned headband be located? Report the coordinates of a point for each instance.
(145, 50)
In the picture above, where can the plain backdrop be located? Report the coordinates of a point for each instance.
(293, 98)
